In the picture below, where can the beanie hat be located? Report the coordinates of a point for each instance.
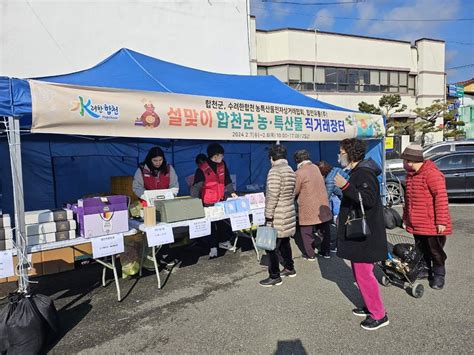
(414, 153)
(214, 149)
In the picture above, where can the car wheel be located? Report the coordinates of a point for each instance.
(394, 193)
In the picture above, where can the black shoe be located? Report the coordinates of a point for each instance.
(437, 282)
(270, 282)
(325, 255)
(372, 324)
(361, 312)
(288, 273)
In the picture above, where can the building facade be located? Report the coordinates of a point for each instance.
(41, 38)
(345, 69)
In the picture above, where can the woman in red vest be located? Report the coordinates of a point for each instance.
(155, 174)
(212, 184)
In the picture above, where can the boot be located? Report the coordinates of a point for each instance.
(437, 282)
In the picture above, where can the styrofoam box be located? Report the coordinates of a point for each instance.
(51, 227)
(51, 237)
(5, 221)
(44, 216)
(6, 233)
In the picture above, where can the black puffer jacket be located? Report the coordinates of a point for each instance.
(363, 179)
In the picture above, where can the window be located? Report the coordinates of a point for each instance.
(470, 161)
(281, 72)
(374, 81)
(451, 163)
(261, 70)
(403, 81)
(353, 80)
(307, 78)
(384, 81)
(342, 79)
(364, 80)
(464, 147)
(393, 81)
(330, 79)
(320, 76)
(411, 85)
(295, 73)
(440, 149)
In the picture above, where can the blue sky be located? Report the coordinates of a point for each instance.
(350, 18)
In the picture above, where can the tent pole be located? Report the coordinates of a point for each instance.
(19, 203)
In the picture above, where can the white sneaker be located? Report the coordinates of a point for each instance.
(213, 253)
(226, 245)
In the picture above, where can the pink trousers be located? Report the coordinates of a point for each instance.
(369, 288)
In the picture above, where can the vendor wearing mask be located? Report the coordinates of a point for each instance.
(155, 174)
(212, 184)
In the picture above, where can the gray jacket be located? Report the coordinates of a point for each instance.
(139, 188)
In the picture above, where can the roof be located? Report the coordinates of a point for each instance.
(127, 69)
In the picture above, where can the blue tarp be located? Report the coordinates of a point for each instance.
(59, 169)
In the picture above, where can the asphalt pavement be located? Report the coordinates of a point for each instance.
(217, 307)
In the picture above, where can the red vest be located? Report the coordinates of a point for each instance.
(214, 184)
(160, 182)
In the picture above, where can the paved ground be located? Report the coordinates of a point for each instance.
(216, 306)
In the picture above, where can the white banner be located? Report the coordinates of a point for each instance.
(65, 109)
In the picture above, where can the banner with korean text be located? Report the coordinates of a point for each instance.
(79, 110)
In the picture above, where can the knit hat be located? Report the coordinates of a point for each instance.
(414, 153)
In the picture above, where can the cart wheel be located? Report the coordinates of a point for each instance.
(417, 290)
(386, 281)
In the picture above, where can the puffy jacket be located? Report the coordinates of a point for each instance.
(280, 198)
(426, 201)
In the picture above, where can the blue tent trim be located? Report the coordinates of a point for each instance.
(127, 69)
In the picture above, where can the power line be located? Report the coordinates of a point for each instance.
(463, 43)
(366, 19)
(461, 66)
(313, 3)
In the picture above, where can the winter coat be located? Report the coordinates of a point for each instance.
(313, 204)
(280, 198)
(363, 179)
(138, 185)
(426, 201)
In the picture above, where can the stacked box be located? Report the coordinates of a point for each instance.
(48, 226)
(6, 233)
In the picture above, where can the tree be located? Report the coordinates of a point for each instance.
(388, 105)
(428, 116)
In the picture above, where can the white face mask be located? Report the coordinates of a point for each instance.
(343, 159)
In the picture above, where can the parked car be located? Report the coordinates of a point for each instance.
(435, 149)
(457, 167)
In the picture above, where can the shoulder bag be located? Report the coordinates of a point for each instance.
(357, 227)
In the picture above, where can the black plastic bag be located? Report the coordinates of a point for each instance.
(392, 218)
(27, 324)
(412, 256)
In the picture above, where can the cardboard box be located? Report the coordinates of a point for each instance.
(57, 260)
(5, 221)
(99, 216)
(36, 266)
(6, 233)
(50, 227)
(45, 216)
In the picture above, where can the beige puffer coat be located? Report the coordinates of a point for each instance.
(280, 198)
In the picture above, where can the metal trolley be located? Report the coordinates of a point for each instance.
(400, 272)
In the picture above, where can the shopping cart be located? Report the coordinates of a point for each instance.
(403, 264)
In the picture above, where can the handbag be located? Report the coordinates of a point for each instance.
(357, 228)
(266, 238)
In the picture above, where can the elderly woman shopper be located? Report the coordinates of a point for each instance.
(314, 214)
(426, 212)
(280, 213)
(368, 248)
